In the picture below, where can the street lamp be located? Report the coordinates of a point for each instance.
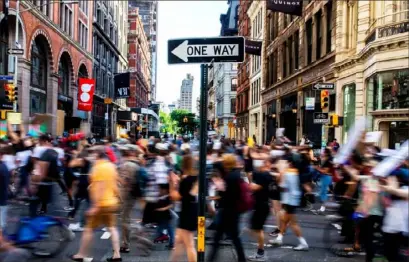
(18, 11)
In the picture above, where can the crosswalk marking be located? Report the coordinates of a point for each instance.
(106, 235)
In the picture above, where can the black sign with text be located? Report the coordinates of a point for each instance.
(253, 47)
(321, 118)
(291, 7)
(122, 84)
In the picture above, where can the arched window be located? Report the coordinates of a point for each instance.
(38, 65)
(63, 74)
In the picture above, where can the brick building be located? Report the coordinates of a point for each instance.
(56, 38)
(242, 102)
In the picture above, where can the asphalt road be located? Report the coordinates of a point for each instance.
(312, 225)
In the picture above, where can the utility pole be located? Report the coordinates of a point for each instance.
(16, 37)
(6, 5)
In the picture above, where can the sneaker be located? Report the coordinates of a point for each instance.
(276, 241)
(170, 247)
(68, 208)
(78, 229)
(275, 232)
(322, 209)
(257, 257)
(301, 247)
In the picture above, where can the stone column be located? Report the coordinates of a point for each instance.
(24, 89)
(52, 97)
(278, 107)
(74, 95)
(363, 23)
(300, 103)
(324, 30)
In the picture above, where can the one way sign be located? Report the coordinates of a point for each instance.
(206, 50)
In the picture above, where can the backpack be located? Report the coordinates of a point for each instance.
(246, 200)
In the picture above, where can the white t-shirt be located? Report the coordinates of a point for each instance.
(38, 151)
(61, 154)
(9, 161)
(23, 157)
(396, 217)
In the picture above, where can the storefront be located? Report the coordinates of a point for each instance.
(98, 125)
(126, 120)
(271, 121)
(387, 95)
(288, 116)
(242, 126)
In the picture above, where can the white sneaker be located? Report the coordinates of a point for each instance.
(322, 209)
(78, 229)
(276, 241)
(301, 247)
(257, 257)
(68, 208)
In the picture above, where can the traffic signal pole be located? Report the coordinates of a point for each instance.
(16, 37)
(202, 165)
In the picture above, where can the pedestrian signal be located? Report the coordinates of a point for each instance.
(324, 99)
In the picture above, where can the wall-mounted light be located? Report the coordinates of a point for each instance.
(294, 110)
(273, 116)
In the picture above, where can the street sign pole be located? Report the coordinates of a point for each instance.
(202, 163)
(16, 37)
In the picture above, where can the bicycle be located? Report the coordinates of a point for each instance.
(33, 231)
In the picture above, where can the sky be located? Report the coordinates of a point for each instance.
(183, 19)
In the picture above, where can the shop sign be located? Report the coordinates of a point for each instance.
(134, 116)
(310, 103)
(393, 29)
(321, 118)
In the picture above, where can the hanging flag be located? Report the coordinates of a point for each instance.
(253, 47)
(291, 7)
(85, 93)
(122, 85)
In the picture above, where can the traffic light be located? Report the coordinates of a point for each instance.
(324, 99)
(10, 92)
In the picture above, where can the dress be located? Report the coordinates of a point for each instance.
(188, 214)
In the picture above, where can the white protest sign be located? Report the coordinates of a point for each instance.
(354, 135)
(373, 137)
(389, 164)
(280, 132)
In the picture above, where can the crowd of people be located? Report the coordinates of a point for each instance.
(161, 177)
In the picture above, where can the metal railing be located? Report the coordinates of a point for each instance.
(389, 19)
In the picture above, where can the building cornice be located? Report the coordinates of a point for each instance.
(373, 47)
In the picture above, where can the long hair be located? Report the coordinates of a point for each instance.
(188, 165)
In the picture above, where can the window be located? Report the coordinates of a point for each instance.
(63, 76)
(388, 90)
(349, 109)
(85, 37)
(318, 19)
(38, 66)
(233, 105)
(284, 59)
(330, 25)
(38, 102)
(296, 49)
(308, 34)
(66, 19)
(84, 6)
(44, 6)
(290, 54)
(3, 48)
(233, 84)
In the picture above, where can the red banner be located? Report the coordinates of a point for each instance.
(86, 88)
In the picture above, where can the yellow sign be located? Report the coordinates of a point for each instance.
(201, 226)
(108, 101)
(14, 118)
(3, 114)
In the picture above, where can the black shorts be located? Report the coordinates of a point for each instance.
(289, 209)
(259, 217)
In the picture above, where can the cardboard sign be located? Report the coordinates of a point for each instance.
(3, 129)
(14, 118)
